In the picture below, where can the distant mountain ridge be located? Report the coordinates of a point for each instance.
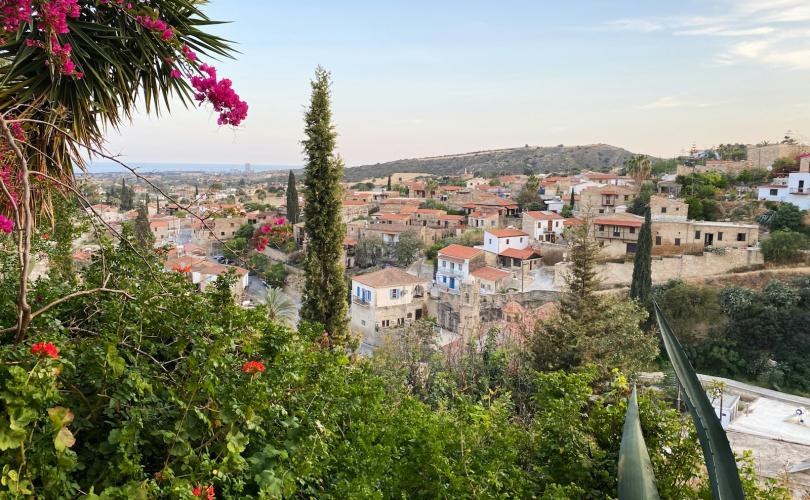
(540, 159)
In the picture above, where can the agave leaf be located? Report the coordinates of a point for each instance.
(636, 477)
(720, 461)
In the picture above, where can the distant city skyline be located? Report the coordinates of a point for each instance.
(425, 78)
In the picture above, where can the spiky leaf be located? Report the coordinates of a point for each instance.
(636, 477)
(720, 461)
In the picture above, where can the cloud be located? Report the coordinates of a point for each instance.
(636, 25)
(676, 101)
(769, 32)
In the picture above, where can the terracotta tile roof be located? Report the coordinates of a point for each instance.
(600, 175)
(506, 233)
(456, 251)
(388, 277)
(623, 220)
(354, 202)
(543, 215)
(526, 253)
(451, 217)
(349, 242)
(432, 211)
(490, 273)
(573, 221)
(394, 217)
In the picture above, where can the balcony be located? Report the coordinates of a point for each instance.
(360, 301)
(801, 190)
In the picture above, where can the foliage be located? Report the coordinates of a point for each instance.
(529, 196)
(640, 203)
(693, 311)
(732, 152)
(407, 249)
(785, 247)
(280, 308)
(784, 165)
(591, 328)
(275, 274)
(786, 217)
(720, 461)
(292, 200)
(636, 479)
(639, 167)
(370, 251)
(641, 284)
(662, 167)
(325, 284)
(142, 229)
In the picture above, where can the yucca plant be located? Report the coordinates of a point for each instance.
(720, 462)
(636, 476)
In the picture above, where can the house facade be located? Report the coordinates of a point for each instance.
(795, 189)
(386, 298)
(544, 225)
(454, 265)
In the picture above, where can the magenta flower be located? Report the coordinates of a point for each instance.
(6, 224)
(176, 73)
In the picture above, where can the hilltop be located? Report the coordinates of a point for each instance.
(539, 159)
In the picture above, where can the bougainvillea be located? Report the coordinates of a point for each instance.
(200, 490)
(49, 19)
(43, 349)
(6, 224)
(274, 235)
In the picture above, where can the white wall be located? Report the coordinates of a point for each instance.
(497, 245)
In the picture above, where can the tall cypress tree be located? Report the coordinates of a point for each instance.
(641, 285)
(143, 233)
(292, 199)
(325, 286)
(572, 200)
(389, 183)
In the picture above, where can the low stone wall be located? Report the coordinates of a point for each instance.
(672, 267)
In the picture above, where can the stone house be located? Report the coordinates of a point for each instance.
(604, 200)
(386, 298)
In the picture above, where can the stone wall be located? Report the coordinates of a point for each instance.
(492, 305)
(672, 267)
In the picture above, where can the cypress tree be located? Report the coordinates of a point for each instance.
(143, 233)
(325, 287)
(196, 191)
(292, 199)
(572, 200)
(389, 183)
(641, 285)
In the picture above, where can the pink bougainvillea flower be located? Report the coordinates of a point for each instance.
(6, 224)
(200, 490)
(43, 349)
(265, 229)
(176, 73)
(253, 367)
(232, 110)
(280, 221)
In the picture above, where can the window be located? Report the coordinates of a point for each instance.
(444, 279)
(507, 241)
(521, 240)
(658, 240)
(740, 236)
(400, 321)
(410, 315)
(395, 293)
(663, 210)
(774, 192)
(632, 230)
(601, 211)
(601, 227)
(697, 235)
(386, 323)
(626, 197)
(719, 236)
(452, 265)
(677, 242)
(490, 241)
(222, 233)
(358, 292)
(363, 322)
(444, 263)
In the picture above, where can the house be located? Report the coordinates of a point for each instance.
(498, 240)
(668, 208)
(354, 209)
(481, 219)
(426, 216)
(390, 218)
(795, 189)
(491, 279)
(604, 200)
(451, 221)
(386, 298)
(605, 178)
(202, 272)
(454, 265)
(543, 225)
(765, 156)
(619, 231)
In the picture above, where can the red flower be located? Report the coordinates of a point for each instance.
(45, 349)
(198, 491)
(46, 236)
(253, 367)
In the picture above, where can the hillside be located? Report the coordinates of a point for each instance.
(512, 160)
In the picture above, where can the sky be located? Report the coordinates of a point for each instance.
(422, 78)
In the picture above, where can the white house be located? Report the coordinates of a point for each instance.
(543, 225)
(795, 189)
(386, 298)
(455, 262)
(498, 240)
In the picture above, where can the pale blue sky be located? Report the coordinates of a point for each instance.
(422, 78)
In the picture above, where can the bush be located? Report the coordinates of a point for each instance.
(785, 247)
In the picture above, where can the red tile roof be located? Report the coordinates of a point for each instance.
(543, 215)
(506, 233)
(388, 277)
(451, 217)
(456, 251)
(526, 253)
(432, 211)
(395, 217)
(617, 221)
(489, 273)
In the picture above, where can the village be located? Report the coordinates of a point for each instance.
(468, 253)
